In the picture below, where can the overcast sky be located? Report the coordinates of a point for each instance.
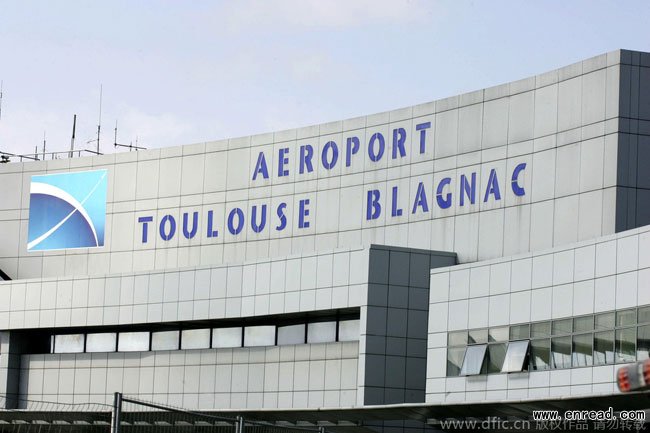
(179, 72)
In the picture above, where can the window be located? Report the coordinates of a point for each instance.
(519, 332)
(292, 334)
(226, 337)
(105, 342)
(70, 343)
(165, 340)
(496, 355)
(515, 357)
(643, 342)
(478, 336)
(458, 338)
(604, 321)
(542, 329)
(455, 360)
(321, 332)
(626, 345)
(498, 334)
(603, 347)
(561, 352)
(540, 354)
(195, 339)
(349, 330)
(259, 336)
(583, 324)
(133, 342)
(626, 317)
(562, 327)
(582, 350)
(473, 361)
(644, 315)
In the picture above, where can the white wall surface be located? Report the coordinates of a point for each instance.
(563, 124)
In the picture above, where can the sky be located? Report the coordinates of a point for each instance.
(174, 72)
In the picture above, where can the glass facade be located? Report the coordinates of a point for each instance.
(596, 339)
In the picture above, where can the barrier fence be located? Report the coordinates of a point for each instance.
(126, 415)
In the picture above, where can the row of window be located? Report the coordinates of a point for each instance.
(597, 339)
(205, 338)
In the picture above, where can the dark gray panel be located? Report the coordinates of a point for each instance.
(373, 395)
(621, 209)
(394, 396)
(644, 94)
(398, 296)
(378, 266)
(416, 347)
(395, 371)
(414, 396)
(642, 207)
(416, 371)
(396, 346)
(419, 270)
(624, 93)
(396, 322)
(378, 295)
(418, 324)
(634, 92)
(376, 324)
(376, 345)
(418, 298)
(439, 261)
(399, 268)
(643, 162)
(375, 370)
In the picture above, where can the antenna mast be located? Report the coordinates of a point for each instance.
(74, 127)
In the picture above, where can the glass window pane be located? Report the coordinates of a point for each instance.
(643, 343)
(582, 350)
(458, 338)
(165, 340)
(604, 321)
(259, 336)
(561, 327)
(104, 342)
(133, 342)
(626, 345)
(195, 339)
(515, 356)
(561, 352)
(518, 332)
(455, 360)
(583, 324)
(478, 336)
(71, 343)
(496, 355)
(540, 354)
(349, 330)
(226, 337)
(542, 329)
(604, 348)
(321, 332)
(473, 361)
(644, 315)
(292, 334)
(498, 334)
(626, 317)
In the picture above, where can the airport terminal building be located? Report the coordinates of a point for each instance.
(490, 247)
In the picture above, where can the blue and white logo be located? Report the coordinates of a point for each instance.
(67, 210)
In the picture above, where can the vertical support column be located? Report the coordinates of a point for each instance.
(240, 425)
(117, 412)
(10, 351)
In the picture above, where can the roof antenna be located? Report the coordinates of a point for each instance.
(74, 128)
(130, 145)
(44, 141)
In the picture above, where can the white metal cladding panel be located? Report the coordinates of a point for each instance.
(314, 375)
(330, 280)
(603, 274)
(562, 124)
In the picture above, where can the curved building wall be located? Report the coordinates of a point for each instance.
(514, 168)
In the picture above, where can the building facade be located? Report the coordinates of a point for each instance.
(487, 246)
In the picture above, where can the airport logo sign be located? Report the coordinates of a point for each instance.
(67, 210)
